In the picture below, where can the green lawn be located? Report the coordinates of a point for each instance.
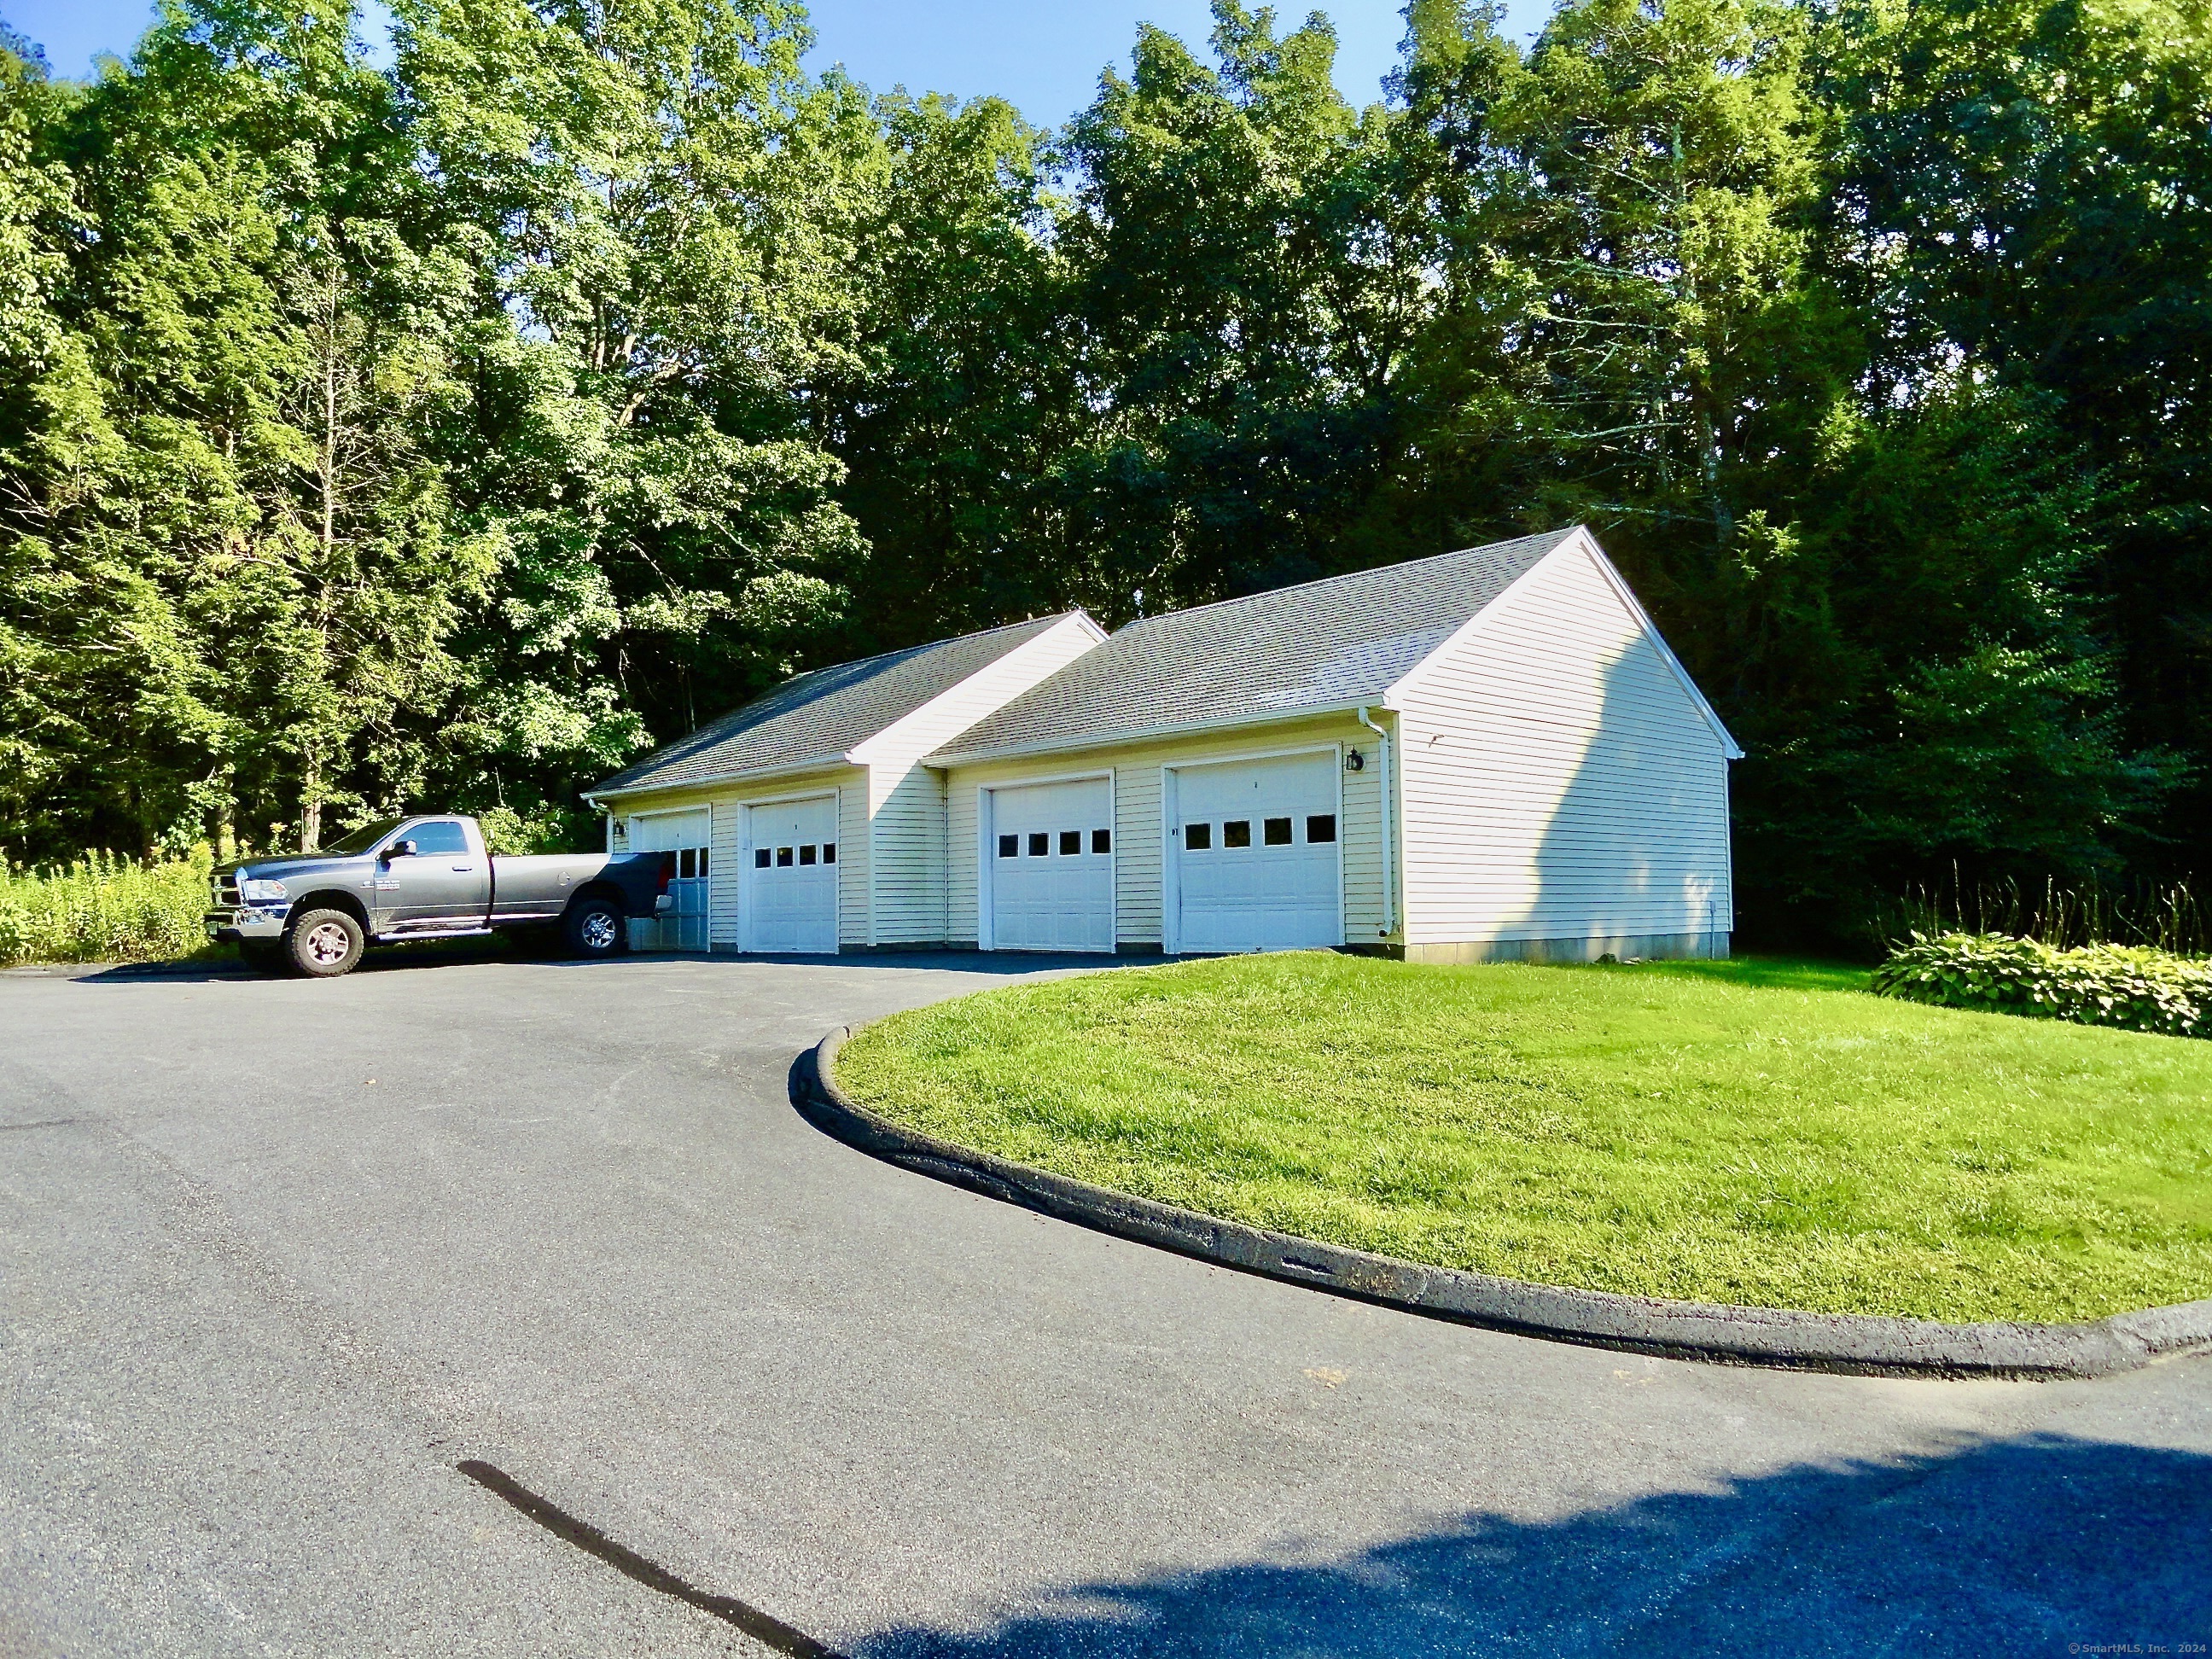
(1761, 1132)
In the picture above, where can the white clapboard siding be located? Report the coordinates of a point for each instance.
(1139, 831)
(722, 910)
(1558, 780)
(852, 862)
(906, 802)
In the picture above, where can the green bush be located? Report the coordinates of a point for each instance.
(543, 828)
(104, 907)
(2135, 987)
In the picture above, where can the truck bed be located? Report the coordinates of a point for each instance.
(540, 885)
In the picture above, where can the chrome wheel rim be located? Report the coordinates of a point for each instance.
(328, 943)
(599, 931)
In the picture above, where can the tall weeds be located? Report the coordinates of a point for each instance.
(103, 907)
(2167, 916)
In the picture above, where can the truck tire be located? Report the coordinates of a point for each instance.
(324, 944)
(594, 927)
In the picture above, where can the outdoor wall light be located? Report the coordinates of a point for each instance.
(1355, 762)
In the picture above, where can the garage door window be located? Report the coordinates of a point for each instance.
(1102, 840)
(1321, 829)
(824, 852)
(1040, 846)
(1010, 847)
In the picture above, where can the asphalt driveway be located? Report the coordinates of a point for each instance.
(276, 1258)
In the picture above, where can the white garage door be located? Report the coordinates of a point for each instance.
(1255, 855)
(683, 838)
(791, 877)
(1050, 849)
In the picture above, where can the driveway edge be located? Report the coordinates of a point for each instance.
(1864, 1344)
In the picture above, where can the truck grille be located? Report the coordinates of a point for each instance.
(223, 889)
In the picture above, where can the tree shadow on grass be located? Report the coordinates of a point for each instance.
(1763, 973)
(2021, 1546)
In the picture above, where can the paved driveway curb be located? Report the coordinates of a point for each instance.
(1861, 1343)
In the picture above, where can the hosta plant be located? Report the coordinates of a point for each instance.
(2133, 986)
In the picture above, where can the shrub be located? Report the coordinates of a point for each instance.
(2135, 987)
(104, 907)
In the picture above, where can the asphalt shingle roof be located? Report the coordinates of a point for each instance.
(820, 716)
(1324, 644)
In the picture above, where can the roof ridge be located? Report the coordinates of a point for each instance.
(875, 691)
(910, 650)
(1334, 641)
(1348, 575)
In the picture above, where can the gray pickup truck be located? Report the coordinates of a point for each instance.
(425, 878)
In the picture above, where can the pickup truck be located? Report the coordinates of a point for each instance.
(413, 878)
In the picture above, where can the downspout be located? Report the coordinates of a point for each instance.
(1389, 840)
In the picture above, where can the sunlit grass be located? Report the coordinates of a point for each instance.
(1758, 1132)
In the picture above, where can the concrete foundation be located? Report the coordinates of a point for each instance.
(1693, 947)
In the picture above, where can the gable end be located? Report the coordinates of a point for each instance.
(1580, 544)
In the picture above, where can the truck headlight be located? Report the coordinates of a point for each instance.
(261, 892)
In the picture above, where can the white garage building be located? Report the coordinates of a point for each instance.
(1485, 755)
(803, 823)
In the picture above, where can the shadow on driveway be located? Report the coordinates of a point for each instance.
(2016, 1547)
(415, 958)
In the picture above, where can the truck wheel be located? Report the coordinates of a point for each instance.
(263, 958)
(594, 927)
(324, 944)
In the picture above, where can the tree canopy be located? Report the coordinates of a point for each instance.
(444, 426)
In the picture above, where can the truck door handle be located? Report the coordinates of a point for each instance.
(467, 869)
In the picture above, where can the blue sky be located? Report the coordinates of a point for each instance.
(1045, 57)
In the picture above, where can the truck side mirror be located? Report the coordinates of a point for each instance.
(398, 850)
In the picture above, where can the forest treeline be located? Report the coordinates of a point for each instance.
(444, 424)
